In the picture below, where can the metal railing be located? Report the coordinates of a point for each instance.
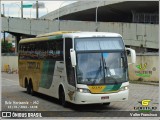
(145, 18)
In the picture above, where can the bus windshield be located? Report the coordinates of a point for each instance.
(101, 60)
(101, 68)
(96, 43)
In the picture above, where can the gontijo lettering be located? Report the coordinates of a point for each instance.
(33, 65)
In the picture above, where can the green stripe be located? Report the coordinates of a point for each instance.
(111, 88)
(47, 73)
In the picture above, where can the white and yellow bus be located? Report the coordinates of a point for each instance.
(76, 67)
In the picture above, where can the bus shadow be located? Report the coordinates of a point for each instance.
(92, 107)
(45, 97)
(78, 108)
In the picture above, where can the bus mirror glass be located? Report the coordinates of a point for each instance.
(73, 57)
(133, 55)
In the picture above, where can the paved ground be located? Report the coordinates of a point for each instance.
(11, 91)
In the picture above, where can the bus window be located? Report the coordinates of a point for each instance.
(69, 68)
(20, 51)
(50, 50)
(37, 50)
(41, 50)
(59, 50)
(32, 51)
(24, 51)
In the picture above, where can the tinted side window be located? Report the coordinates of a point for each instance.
(42, 50)
(23, 51)
(55, 50)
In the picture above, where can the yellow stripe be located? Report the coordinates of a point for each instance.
(33, 39)
(99, 89)
(54, 33)
(96, 89)
(44, 37)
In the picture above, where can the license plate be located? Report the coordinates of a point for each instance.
(104, 97)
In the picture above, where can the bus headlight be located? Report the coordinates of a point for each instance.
(124, 88)
(83, 90)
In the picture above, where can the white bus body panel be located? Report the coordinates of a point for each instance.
(88, 98)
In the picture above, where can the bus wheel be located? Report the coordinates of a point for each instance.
(62, 98)
(28, 89)
(31, 89)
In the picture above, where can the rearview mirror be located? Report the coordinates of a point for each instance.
(133, 55)
(73, 57)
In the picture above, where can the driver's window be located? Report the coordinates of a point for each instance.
(69, 69)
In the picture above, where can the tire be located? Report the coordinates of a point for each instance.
(62, 98)
(32, 91)
(28, 89)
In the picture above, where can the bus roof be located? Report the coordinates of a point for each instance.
(91, 34)
(46, 36)
(55, 33)
(70, 34)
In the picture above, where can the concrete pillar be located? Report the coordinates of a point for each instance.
(21, 9)
(4, 36)
(4, 40)
(16, 43)
(37, 6)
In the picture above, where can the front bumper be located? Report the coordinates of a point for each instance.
(88, 98)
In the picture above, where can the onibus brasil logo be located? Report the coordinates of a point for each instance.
(145, 106)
